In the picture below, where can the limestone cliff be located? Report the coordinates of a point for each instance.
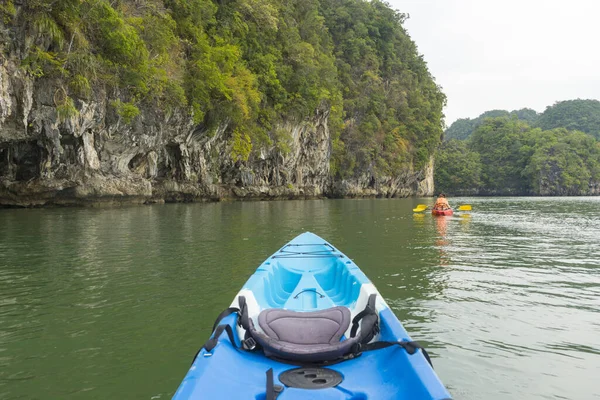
(94, 156)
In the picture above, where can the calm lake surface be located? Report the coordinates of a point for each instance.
(113, 303)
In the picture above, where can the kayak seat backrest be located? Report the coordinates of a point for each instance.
(317, 327)
(304, 336)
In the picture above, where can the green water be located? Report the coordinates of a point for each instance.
(113, 303)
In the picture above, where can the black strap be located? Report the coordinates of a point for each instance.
(270, 386)
(370, 323)
(224, 314)
(272, 390)
(248, 343)
(243, 313)
(309, 290)
(411, 347)
(212, 342)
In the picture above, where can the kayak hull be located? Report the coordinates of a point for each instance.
(442, 212)
(309, 274)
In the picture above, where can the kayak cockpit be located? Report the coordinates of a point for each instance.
(288, 280)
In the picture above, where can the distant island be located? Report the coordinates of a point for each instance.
(522, 153)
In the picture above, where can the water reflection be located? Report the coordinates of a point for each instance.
(441, 224)
(419, 219)
(442, 240)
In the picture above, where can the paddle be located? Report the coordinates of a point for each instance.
(423, 207)
(420, 207)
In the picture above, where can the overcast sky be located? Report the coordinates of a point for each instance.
(509, 54)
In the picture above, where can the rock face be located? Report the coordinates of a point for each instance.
(410, 183)
(94, 157)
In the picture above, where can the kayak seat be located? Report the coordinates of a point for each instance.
(312, 336)
(306, 328)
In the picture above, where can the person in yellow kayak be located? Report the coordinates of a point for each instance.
(441, 203)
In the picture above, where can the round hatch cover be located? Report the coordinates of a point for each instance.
(311, 378)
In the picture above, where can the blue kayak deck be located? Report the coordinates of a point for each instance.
(387, 373)
(309, 274)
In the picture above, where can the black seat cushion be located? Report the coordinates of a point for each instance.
(304, 336)
(315, 327)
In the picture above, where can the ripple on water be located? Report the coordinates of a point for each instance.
(526, 287)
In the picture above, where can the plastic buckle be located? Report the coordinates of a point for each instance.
(249, 344)
(356, 351)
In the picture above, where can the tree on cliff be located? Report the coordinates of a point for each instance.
(463, 128)
(499, 143)
(563, 162)
(392, 107)
(457, 167)
(580, 115)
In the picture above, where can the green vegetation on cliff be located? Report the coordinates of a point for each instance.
(392, 105)
(578, 115)
(456, 167)
(462, 128)
(249, 64)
